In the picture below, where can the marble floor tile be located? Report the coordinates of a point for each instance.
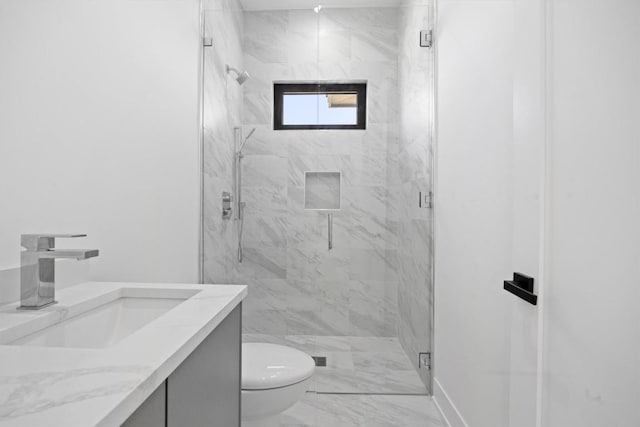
(355, 364)
(337, 410)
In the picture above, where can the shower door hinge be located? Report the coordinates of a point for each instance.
(207, 42)
(424, 361)
(426, 38)
(426, 200)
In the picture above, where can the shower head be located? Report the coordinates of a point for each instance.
(241, 77)
(245, 140)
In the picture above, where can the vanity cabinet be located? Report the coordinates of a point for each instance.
(152, 411)
(204, 391)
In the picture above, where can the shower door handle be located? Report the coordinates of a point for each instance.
(330, 226)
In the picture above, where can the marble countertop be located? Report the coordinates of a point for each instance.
(55, 386)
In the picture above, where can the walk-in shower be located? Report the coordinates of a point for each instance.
(239, 204)
(355, 291)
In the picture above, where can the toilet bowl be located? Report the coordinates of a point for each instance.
(274, 378)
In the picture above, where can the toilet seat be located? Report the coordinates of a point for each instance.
(268, 366)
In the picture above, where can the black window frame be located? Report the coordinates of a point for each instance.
(279, 90)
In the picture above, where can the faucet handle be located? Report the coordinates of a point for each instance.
(43, 242)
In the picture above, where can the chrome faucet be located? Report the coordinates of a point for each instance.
(37, 268)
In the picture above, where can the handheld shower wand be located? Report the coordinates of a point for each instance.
(245, 140)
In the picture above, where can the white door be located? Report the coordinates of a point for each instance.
(527, 215)
(489, 193)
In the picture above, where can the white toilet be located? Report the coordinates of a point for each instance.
(274, 378)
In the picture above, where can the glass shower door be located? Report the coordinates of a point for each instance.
(362, 306)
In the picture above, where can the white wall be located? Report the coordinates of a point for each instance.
(99, 132)
(592, 333)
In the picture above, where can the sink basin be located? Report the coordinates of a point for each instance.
(104, 325)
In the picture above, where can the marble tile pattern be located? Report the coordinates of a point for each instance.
(101, 387)
(412, 159)
(297, 286)
(339, 410)
(222, 112)
(354, 364)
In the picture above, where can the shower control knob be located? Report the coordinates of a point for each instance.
(226, 205)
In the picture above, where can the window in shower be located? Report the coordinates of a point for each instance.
(319, 105)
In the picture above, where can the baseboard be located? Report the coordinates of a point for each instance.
(447, 409)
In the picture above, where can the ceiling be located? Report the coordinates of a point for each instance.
(310, 4)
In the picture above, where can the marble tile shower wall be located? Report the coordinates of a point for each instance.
(297, 286)
(411, 173)
(222, 111)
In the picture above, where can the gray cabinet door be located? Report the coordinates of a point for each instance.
(204, 391)
(152, 411)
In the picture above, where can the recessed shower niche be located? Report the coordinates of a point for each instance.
(322, 191)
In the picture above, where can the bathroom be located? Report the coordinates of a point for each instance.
(499, 137)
